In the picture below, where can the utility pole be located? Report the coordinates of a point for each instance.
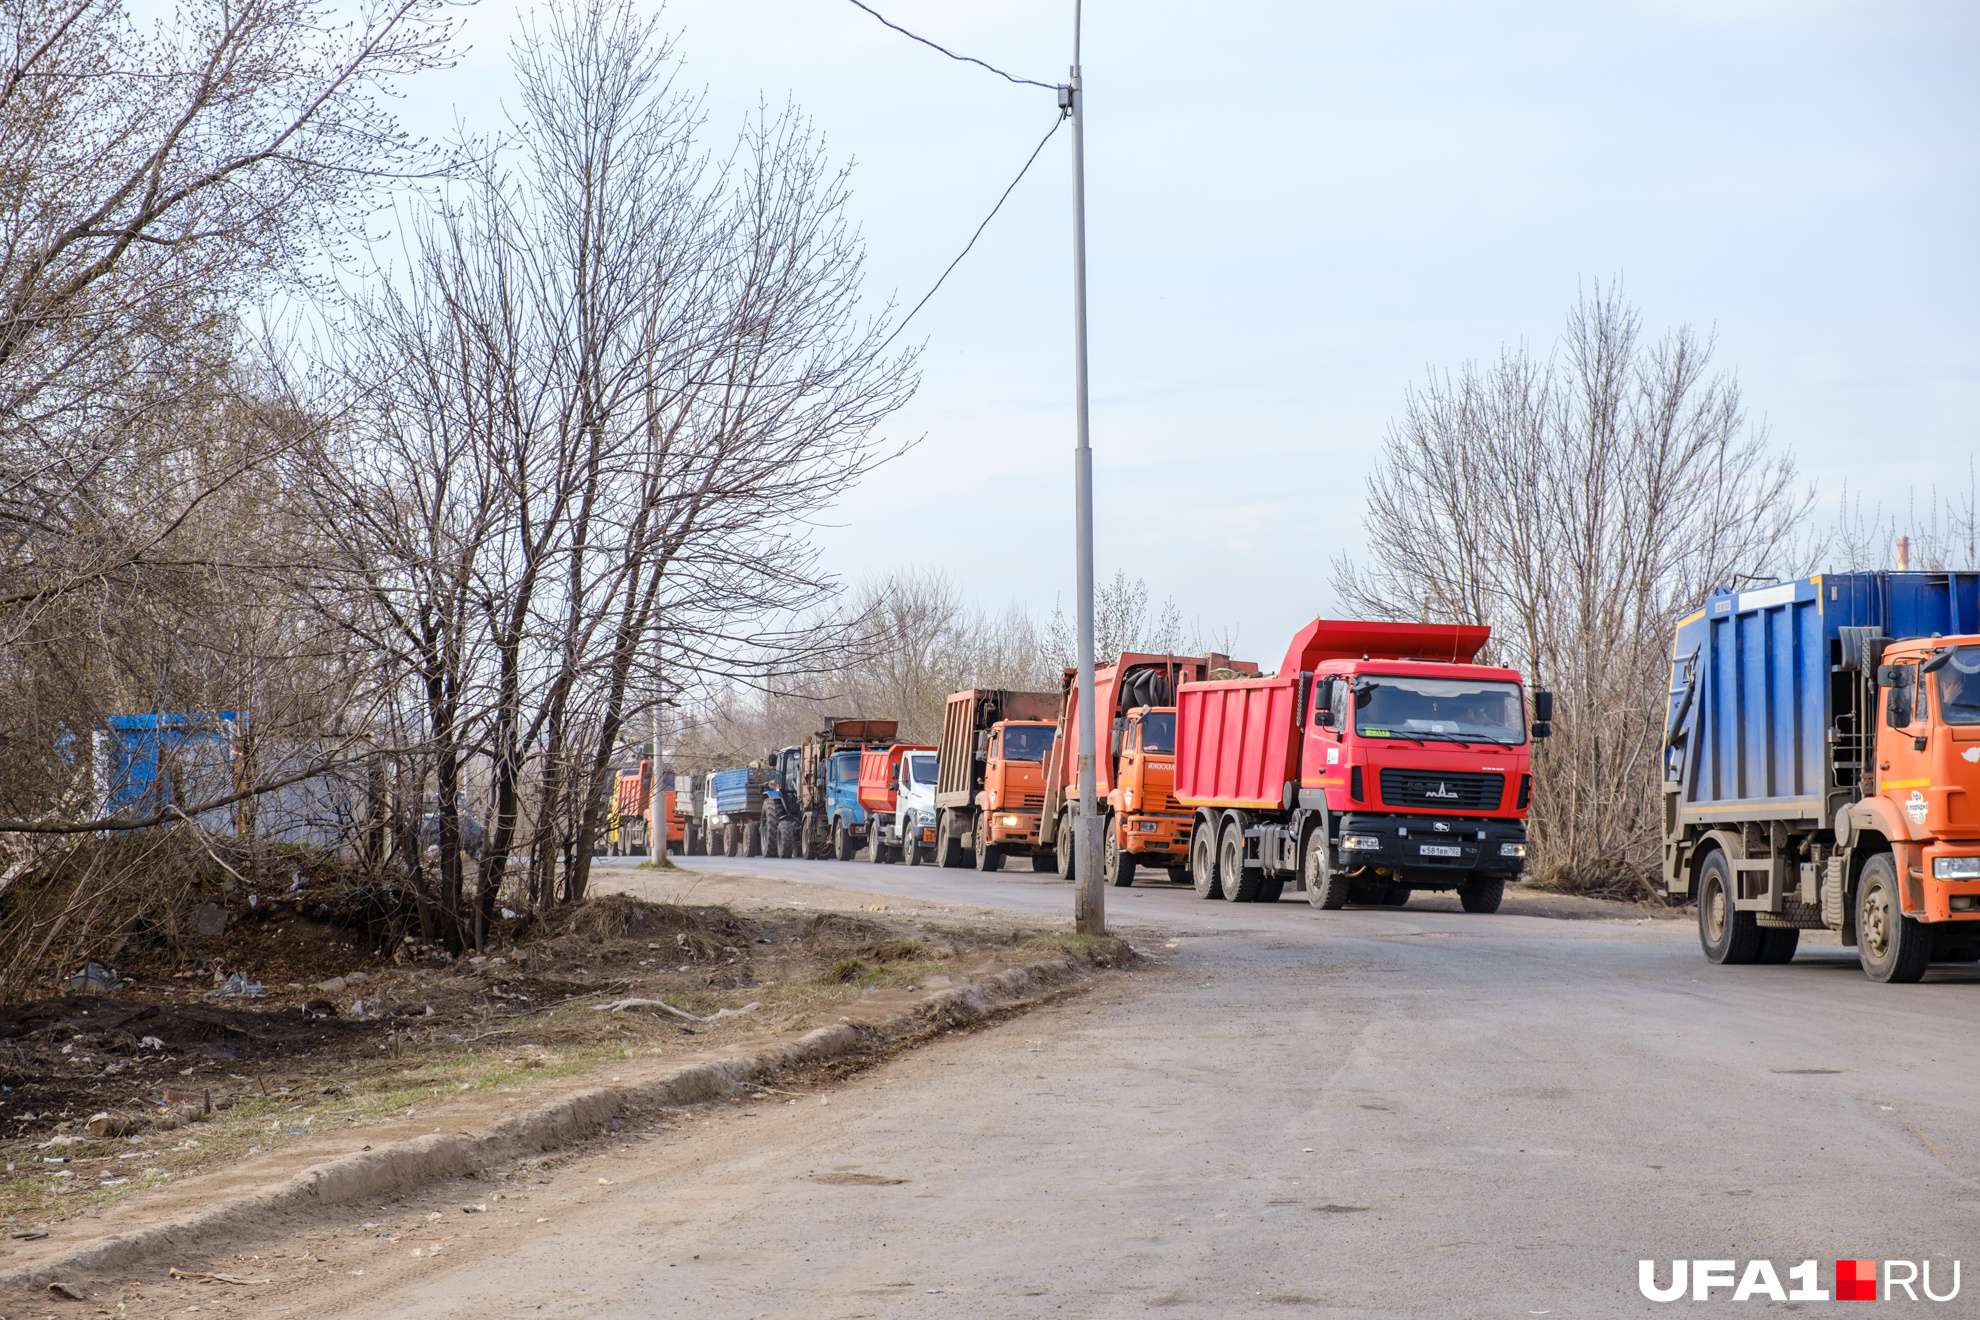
(656, 805)
(1089, 894)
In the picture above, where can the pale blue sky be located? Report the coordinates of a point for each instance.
(1296, 208)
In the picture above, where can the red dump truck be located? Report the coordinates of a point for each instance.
(1144, 825)
(1378, 761)
(990, 776)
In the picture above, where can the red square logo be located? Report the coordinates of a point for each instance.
(1856, 1280)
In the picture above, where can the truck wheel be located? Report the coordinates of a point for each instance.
(809, 844)
(842, 841)
(1396, 896)
(752, 840)
(1325, 887)
(1890, 945)
(948, 848)
(1119, 866)
(876, 851)
(1482, 893)
(1203, 865)
(1269, 889)
(1179, 875)
(911, 850)
(1240, 882)
(989, 857)
(1777, 945)
(1726, 935)
(1064, 850)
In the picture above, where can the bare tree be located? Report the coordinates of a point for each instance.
(1580, 504)
(618, 378)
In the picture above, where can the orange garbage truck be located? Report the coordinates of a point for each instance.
(1378, 761)
(1134, 779)
(990, 777)
(1821, 769)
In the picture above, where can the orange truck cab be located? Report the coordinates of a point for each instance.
(990, 776)
(1378, 761)
(1143, 824)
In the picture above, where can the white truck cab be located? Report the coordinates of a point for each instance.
(914, 812)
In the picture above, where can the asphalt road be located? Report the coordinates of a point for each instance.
(1374, 1112)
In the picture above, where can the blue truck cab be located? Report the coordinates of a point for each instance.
(831, 823)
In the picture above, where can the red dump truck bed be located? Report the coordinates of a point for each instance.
(880, 775)
(1235, 742)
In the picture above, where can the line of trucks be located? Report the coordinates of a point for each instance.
(1377, 760)
(1820, 771)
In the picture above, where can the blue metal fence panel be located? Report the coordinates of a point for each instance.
(146, 763)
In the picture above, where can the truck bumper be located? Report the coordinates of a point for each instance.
(1949, 899)
(1011, 829)
(1425, 852)
(1160, 836)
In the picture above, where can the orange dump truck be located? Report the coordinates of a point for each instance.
(1379, 760)
(632, 802)
(1133, 781)
(990, 776)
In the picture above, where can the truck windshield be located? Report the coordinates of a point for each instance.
(1959, 687)
(921, 769)
(1399, 706)
(1028, 742)
(1158, 732)
(845, 767)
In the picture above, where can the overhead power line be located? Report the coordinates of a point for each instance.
(966, 59)
(979, 229)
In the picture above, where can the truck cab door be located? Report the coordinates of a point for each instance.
(993, 770)
(1127, 777)
(1323, 754)
(1904, 768)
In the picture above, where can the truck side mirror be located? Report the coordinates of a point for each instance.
(1542, 729)
(1323, 703)
(1114, 738)
(1543, 708)
(1936, 662)
(983, 744)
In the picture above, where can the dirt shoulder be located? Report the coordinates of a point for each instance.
(135, 1105)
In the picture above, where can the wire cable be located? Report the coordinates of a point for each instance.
(967, 59)
(979, 229)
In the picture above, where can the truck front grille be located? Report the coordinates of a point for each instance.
(1030, 802)
(1458, 791)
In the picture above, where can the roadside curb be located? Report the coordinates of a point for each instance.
(405, 1166)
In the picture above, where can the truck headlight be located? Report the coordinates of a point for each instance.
(1011, 821)
(1361, 843)
(1512, 850)
(1956, 868)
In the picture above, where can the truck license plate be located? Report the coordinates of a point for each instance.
(1441, 850)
